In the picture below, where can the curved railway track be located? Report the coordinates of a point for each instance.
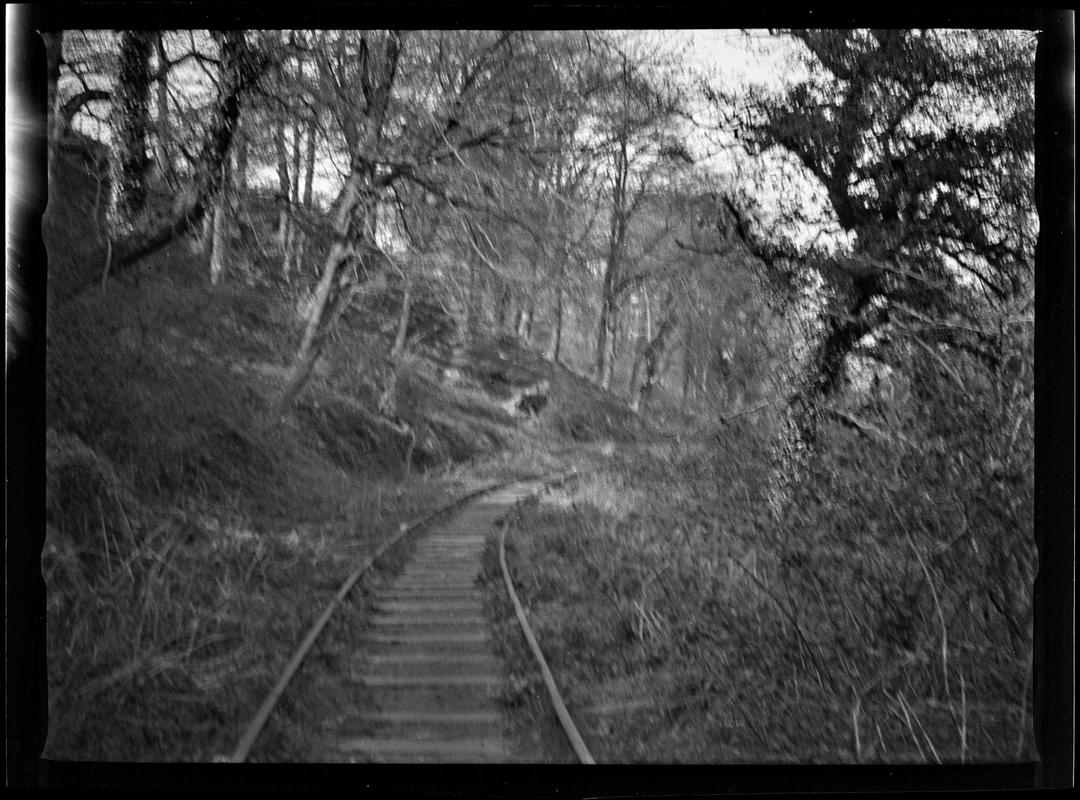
(423, 677)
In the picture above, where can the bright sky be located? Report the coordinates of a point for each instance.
(727, 58)
(738, 57)
(733, 60)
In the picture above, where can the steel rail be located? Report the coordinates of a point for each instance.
(258, 722)
(567, 722)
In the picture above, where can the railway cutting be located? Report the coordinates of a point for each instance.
(425, 675)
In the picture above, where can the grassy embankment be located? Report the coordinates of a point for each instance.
(688, 623)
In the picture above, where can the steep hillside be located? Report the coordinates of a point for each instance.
(166, 375)
(173, 511)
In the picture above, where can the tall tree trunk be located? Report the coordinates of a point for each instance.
(609, 317)
(240, 174)
(561, 216)
(827, 367)
(354, 229)
(602, 334)
(655, 361)
(301, 247)
(605, 344)
(603, 330)
(219, 247)
(613, 348)
(283, 180)
(286, 184)
(605, 337)
(332, 296)
(294, 243)
(642, 340)
(241, 66)
(131, 123)
(287, 250)
(219, 243)
(164, 134)
(309, 172)
(298, 132)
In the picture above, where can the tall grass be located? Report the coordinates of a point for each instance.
(884, 615)
(166, 626)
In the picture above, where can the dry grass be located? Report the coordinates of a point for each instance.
(165, 632)
(689, 624)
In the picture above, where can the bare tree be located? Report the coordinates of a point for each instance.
(353, 220)
(131, 127)
(241, 65)
(164, 134)
(281, 149)
(222, 224)
(635, 118)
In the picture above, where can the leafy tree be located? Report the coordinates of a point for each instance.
(922, 142)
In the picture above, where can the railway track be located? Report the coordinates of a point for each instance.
(423, 677)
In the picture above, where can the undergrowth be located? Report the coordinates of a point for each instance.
(188, 548)
(884, 616)
(167, 626)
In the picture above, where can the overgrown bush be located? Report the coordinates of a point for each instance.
(884, 614)
(909, 556)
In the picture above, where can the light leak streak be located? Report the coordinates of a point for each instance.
(18, 129)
